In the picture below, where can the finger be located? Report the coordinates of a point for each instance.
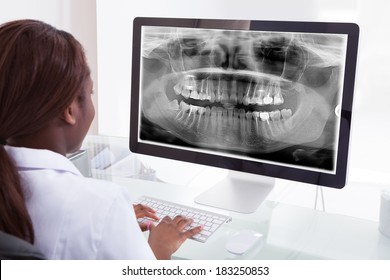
(137, 207)
(178, 219)
(166, 219)
(144, 227)
(181, 222)
(149, 225)
(139, 214)
(141, 207)
(191, 232)
(149, 215)
(147, 208)
(145, 213)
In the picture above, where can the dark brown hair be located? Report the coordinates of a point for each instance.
(42, 70)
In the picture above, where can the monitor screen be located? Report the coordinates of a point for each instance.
(272, 98)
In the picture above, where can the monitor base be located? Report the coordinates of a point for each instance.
(238, 192)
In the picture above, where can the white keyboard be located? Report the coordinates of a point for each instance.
(211, 221)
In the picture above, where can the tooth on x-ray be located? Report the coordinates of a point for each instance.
(245, 91)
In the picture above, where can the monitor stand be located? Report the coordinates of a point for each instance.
(238, 192)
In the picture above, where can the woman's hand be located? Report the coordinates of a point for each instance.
(142, 211)
(169, 235)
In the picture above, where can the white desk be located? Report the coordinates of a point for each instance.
(291, 232)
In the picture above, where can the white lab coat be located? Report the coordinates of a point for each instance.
(75, 217)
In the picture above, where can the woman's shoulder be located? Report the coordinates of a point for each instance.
(66, 190)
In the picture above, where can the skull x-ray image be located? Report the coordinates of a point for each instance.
(268, 96)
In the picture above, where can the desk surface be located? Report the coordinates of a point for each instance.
(292, 228)
(290, 232)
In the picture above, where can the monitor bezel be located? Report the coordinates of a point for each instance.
(337, 180)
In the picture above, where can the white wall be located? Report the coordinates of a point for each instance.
(75, 16)
(372, 98)
(111, 45)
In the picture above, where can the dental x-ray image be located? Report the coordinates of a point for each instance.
(267, 96)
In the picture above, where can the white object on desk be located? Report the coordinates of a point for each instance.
(81, 161)
(103, 159)
(384, 216)
(242, 241)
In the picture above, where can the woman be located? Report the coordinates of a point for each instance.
(45, 113)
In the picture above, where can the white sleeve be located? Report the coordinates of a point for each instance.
(122, 237)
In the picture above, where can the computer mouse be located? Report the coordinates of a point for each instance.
(242, 241)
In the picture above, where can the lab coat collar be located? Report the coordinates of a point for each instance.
(26, 158)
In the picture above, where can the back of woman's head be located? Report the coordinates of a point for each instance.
(42, 70)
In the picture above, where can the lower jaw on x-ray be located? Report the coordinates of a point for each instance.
(269, 99)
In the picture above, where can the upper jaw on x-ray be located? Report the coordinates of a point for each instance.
(251, 92)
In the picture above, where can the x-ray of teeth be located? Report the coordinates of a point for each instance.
(266, 95)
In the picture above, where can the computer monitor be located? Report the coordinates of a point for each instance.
(265, 99)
